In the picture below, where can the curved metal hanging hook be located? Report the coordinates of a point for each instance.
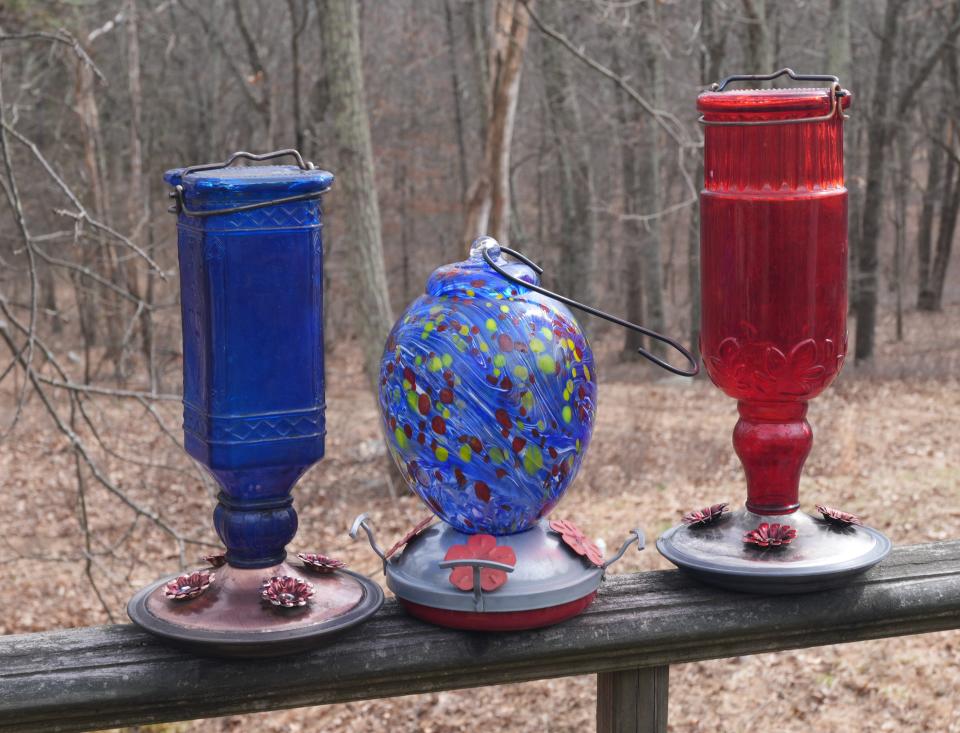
(694, 365)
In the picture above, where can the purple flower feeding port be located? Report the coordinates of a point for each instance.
(251, 279)
(286, 592)
(705, 516)
(191, 585)
(320, 563)
(837, 517)
(216, 561)
(770, 535)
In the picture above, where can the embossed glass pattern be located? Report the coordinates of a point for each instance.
(773, 274)
(253, 382)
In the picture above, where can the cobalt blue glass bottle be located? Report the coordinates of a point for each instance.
(253, 381)
(251, 272)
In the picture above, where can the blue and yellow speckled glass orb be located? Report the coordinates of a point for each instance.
(487, 396)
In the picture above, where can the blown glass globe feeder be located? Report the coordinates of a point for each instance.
(773, 259)
(487, 394)
(251, 275)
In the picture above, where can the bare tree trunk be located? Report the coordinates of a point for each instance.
(90, 308)
(713, 46)
(928, 213)
(343, 64)
(650, 188)
(481, 54)
(758, 49)
(488, 209)
(298, 22)
(948, 224)
(137, 212)
(575, 274)
(839, 63)
(877, 134)
(457, 99)
(901, 189)
(259, 76)
(632, 271)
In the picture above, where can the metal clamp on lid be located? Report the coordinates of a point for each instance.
(836, 93)
(179, 206)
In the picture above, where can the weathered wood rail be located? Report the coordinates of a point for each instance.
(82, 679)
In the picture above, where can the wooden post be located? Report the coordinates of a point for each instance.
(633, 700)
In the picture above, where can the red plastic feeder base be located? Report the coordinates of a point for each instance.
(499, 620)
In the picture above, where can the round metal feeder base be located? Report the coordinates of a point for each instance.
(499, 620)
(230, 619)
(549, 583)
(821, 557)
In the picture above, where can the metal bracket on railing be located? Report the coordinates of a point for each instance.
(180, 207)
(477, 565)
(836, 94)
(363, 522)
(636, 535)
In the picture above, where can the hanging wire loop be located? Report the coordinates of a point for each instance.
(694, 364)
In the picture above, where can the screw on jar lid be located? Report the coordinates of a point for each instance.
(744, 107)
(216, 189)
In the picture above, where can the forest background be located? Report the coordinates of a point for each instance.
(566, 130)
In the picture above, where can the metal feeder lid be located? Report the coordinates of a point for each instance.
(474, 278)
(215, 186)
(547, 573)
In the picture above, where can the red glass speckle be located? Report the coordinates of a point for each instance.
(773, 274)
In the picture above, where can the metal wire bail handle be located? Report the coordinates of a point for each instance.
(694, 365)
(179, 206)
(836, 93)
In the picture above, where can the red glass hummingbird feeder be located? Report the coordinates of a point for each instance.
(773, 252)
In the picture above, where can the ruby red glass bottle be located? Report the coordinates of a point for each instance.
(773, 268)
(773, 249)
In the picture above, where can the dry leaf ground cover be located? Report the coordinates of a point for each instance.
(886, 447)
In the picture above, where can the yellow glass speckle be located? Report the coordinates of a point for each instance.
(441, 453)
(547, 364)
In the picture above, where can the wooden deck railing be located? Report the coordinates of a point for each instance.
(82, 679)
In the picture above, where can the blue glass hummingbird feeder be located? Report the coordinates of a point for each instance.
(488, 394)
(251, 272)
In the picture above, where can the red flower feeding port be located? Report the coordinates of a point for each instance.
(773, 253)
(577, 541)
